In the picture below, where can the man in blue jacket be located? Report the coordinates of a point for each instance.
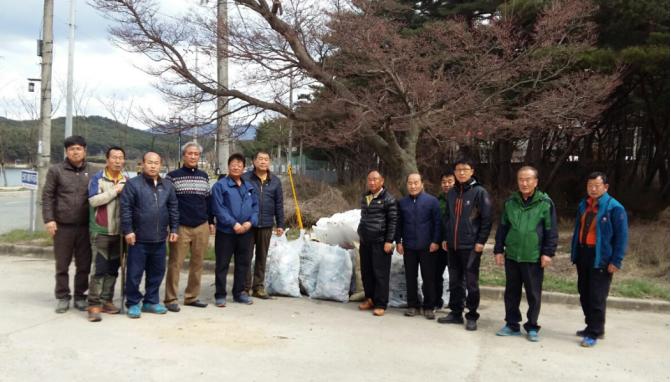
(268, 188)
(598, 247)
(149, 215)
(417, 239)
(236, 209)
(468, 220)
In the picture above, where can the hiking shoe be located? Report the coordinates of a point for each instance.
(154, 308)
(429, 314)
(379, 312)
(588, 342)
(134, 311)
(505, 331)
(63, 305)
(583, 333)
(220, 302)
(261, 293)
(243, 299)
(451, 318)
(81, 304)
(411, 312)
(471, 325)
(173, 307)
(367, 304)
(94, 313)
(532, 335)
(110, 308)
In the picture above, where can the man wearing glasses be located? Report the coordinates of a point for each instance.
(468, 220)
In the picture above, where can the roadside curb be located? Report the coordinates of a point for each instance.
(487, 292)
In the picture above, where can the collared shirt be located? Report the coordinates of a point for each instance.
(588, 223)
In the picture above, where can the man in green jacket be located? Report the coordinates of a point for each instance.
(526, 241)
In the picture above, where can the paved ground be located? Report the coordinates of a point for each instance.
(17, 205)
(307, 340)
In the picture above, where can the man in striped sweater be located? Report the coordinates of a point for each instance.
(192, 187)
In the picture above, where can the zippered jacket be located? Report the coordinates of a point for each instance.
(271, 199)
(611, 232)
(65, 194)
(378, 219)
(468, 216)
(418, 222)
(527, 230)
(104, 211)
(149, 210)
(233, 204)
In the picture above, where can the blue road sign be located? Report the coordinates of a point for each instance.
(29, 179)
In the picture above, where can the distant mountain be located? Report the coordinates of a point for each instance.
(18, 139)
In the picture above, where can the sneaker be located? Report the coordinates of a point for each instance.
(63, 305)
(471, 325)
(244, 299)
(588, 342)
(451, 318)
(583, 333)
(411, 312)
(134, 311)
(94, 313)
(220, 302)
(429, 314)
(505, 331)
(81, 304)
(154, 308)
(110, 308)
(261, 293)
(173, 307)
(532, 335)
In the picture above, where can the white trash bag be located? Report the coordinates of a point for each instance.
(283, 266)
(334, 273)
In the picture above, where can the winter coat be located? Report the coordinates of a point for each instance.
(233, 204)
(149, 210)
(65, 195)
(271, 199)
(378, 219)
(468, 216)
(418, 222)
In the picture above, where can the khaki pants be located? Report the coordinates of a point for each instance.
(196, 240)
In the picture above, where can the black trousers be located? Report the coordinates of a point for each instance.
(464, 268)
(529, 275)
(593, 286)
(375, 268)
(441, 264)
(70, 241)
(427, 263)
(238, 247)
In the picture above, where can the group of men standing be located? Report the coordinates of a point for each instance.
(452, 229)
(97, 218)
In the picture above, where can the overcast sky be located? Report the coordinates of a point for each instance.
(101, 69)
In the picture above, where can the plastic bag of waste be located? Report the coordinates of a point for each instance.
(334, 273)
(283, 266)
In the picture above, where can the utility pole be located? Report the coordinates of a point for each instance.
(44, 139)
(223, 131)
(71, 60)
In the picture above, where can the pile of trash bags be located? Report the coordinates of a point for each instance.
(322, 266)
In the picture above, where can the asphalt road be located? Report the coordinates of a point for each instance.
(306, 340)
(14, 210)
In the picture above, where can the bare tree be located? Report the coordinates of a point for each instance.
(376, 80)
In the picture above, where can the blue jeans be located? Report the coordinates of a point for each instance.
(149, 258)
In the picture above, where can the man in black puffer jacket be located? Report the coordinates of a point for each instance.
(468, 220)
(377, 228)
